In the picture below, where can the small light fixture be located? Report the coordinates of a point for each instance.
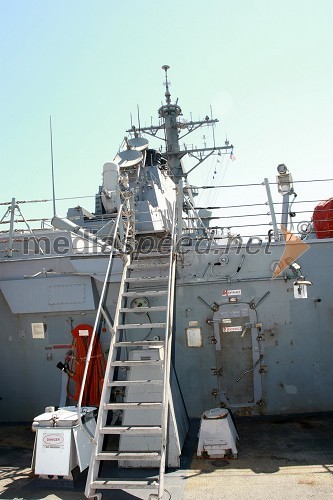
(284, 180)
(295, 267)
(282, 169)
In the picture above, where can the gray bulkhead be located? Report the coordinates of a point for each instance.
(294, 336)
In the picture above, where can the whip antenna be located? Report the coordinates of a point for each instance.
(52, 169)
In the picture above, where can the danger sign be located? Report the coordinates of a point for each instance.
(231, 293)
(232, 329)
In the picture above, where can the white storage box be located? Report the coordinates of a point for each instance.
(60, 443)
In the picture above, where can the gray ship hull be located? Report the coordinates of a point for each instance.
(291, 337)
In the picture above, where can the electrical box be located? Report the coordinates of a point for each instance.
(61, 444)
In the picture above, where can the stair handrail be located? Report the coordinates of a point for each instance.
(106, 388)
(99, 313)
(167, 352)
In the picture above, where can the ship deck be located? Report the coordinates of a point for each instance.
(278, 457)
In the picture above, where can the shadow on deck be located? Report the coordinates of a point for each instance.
(283, 456)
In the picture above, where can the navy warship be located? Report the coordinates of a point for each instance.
(148, 309)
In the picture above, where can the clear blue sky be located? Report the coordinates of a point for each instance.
(265, 66)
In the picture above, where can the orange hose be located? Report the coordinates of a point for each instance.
(95, 376)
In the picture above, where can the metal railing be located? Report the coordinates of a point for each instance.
(100, 310)
(167, 353)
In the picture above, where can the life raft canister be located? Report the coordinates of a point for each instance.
(323, 219)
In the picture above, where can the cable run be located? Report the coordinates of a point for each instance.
(255, 184)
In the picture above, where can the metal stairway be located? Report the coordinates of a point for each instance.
(147, 278)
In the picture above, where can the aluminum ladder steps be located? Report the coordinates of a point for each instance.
(138, 266)
(147, 293)
(130, 326)
(147, 279)
(129, 383)
(131, 429)
(157, 289)
(141, 362)
(140, 343)
(153, 253)
(133, 406)
(123, 484)
(128, 455)
(143, 309)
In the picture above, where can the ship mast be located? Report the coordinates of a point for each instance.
(169, 112)
(172, 125)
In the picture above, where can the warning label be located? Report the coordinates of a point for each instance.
(53, 440)
(232, 329)
(231, 293)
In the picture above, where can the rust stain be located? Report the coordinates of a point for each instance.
(310, 482)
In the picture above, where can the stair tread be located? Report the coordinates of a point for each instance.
(135, 343)
(131, 429)
(143, 309)
(141, 325)
(123, 483)
(146, 293)
(131, 406)
(128, 455)
(126, 383)
(152, 255)
(146, 278)
(137, 265)
(144, 362)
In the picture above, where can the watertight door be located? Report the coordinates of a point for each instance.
(237, 355)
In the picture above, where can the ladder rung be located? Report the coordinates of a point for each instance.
(128, 455)
(153, 254)
(146, 293)
(140, 325)
(131, 429)
(132, 406)
(144, 362)
(143, 309)
(123, 484)
(138, 265)
(147, 279)
(128, 383)
(136, 343)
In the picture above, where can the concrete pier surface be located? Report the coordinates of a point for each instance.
(279, 458)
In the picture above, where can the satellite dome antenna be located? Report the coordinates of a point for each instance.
(167, 92)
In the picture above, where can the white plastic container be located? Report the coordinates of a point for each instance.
(60, 443)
